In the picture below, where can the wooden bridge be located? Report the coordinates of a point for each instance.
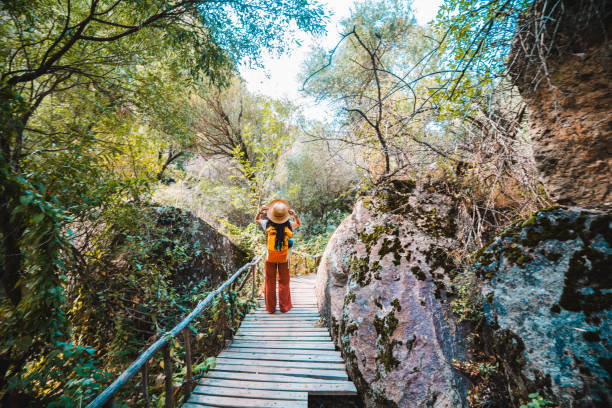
(274, 360)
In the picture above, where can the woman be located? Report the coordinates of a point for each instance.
(279, 231)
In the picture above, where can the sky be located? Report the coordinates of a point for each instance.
(278, 76)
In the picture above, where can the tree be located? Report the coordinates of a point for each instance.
(83, 86)
(435, 102)
(247, 132)
(378, 74)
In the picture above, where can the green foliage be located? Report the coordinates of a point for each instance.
(475, 48)
(93, 110)
(468, 303)
(319, 186)
(537, 402)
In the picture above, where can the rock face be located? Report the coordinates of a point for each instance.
(569, 101)
(381, 286)
(549, 301)
(211, 255)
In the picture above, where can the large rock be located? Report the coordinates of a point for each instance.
(210, 254)
(549, 299)
(568, 93)
(381, 286)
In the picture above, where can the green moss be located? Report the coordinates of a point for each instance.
(396, 304)
(588, 268)
(350, 329)
(385, 328)
(349, 298)
(511, 348)
(418, 273)
(394, 196)
(601, 226)
(542, 229)
(360, 270)
(438, 257)
(553, 256)
(393, 246)
(437, 226)
(372, 238)
(517, 256)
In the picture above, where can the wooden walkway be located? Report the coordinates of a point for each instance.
(276, 360)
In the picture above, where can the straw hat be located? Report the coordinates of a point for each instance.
(278, 211)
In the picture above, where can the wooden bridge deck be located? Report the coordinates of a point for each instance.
(276, 360)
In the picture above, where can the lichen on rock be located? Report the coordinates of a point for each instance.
(382, 288)
(548, 297)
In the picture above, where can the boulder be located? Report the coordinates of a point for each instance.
(568, 93)
(210, 254)
(382, 286)
(548, 299)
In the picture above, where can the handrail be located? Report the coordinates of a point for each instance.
(105, 395)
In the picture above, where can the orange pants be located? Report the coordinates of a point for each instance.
(284, 293)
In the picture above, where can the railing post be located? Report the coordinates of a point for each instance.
(230, 294)
(254, 273)
(188, 376)
(168, 374)
(145, 384)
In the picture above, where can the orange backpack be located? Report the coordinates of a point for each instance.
(274, 254)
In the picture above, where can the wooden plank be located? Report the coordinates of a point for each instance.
(266, 326)
(284, 333)
(271, 345)
(279, 324)
(310, 331)
(282, 316)
(307, 331)
(221, 391)
(274, 318)
(264, 377)
(283, 338)
(255, 351)
(288, 314)
(296, 332)
(282, 363)
(231, 402)
(294, 311)
(336, 388)
(283, 357)
(298, 372)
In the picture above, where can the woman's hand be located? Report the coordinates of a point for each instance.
(297, 222)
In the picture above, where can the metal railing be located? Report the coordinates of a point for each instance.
(106, 397)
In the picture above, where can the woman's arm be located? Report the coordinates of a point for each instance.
(259, 214)
(297, 222)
